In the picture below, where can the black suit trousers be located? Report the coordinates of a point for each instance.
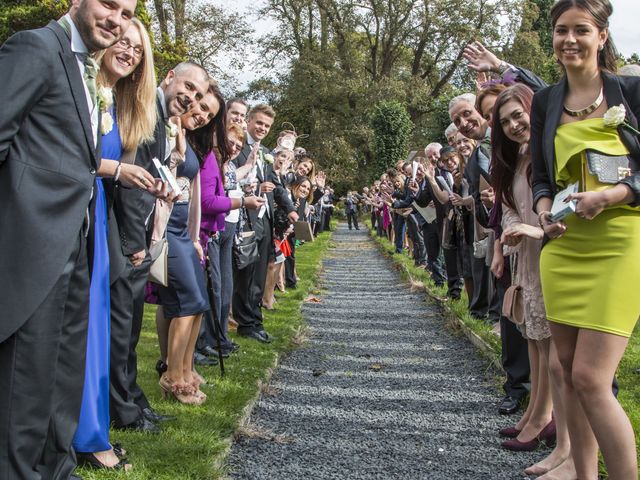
(290, 265)
(431, 236)
(139, 278)
(515, 352)
(42, 378)
(248, 283)
(122, 408)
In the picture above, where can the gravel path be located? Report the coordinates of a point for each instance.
(381, 390)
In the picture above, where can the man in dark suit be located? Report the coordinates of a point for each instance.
(488, 294)
(432, 232)
(179, 91)
(48, 162)
(249, 283)
(351, 209)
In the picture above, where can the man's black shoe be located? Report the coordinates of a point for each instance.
(155, 417)
(256, 335)
(234, 347)
(213, 353)
(141, 425)
(265, 335)
(204, 361)
(509, 405)
(208, 351)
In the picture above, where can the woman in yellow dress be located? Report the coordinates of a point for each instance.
(590, 265)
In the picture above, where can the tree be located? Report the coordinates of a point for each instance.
(392, 129)
(531, 47)
(16, 15)
(200, 31)
(345, 57)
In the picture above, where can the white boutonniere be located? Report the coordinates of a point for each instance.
(106, 125)
(268, 158)
(616, 116)
(105, 98)
(172, 130)
(105, 101)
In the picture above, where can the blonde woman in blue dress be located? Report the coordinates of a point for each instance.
(590, 264)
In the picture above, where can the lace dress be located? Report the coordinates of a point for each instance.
(535, 326)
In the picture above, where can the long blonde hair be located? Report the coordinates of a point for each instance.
(135, 97)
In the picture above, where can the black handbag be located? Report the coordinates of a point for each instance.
(245, 249)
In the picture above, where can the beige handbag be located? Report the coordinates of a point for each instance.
(513, 303)
(159, 272)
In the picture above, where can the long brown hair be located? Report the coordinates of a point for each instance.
(600, 11)
(213, 136)
(504, 154)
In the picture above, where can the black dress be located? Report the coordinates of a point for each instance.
(186, 294)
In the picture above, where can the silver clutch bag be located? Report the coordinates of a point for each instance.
(608, 168)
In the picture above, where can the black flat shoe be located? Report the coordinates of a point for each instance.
(155, 417)
(256, 335)
(203, 360)
(90, 460)
(509, 405)
(141, 425)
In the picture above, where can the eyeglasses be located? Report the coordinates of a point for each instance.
(125, 45)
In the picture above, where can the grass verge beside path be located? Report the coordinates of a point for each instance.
(628, 373)
(194, 446)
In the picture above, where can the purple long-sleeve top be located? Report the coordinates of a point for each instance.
(215, 204)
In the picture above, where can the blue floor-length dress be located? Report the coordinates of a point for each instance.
(92, 434)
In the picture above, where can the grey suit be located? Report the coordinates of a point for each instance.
(48, 163)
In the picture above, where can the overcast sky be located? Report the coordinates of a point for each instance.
(624, 26)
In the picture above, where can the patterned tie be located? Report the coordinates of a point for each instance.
(91, 69)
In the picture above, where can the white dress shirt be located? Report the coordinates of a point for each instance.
(80, 49)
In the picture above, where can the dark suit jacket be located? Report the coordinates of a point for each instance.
(406, 198)
(278, 194)
(530, 79)
(48, 164)
(546, 112)
(472, 173)
(425, 196)
(133, 207)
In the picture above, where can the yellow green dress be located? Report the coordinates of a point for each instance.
(590, 275)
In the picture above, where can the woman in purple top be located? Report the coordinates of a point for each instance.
(218, 231)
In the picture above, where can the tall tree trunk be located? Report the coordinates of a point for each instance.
(161, 12)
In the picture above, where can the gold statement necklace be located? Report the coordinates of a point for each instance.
(586, 111)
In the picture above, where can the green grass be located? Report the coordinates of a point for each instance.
(195, 445)
(628, 372)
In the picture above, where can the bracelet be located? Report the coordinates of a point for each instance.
(503, 67)
(540, 219)
(118, 169)
(241, 202)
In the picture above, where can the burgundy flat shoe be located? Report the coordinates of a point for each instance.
(516, 445)
(548, 433)
(509, 432)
